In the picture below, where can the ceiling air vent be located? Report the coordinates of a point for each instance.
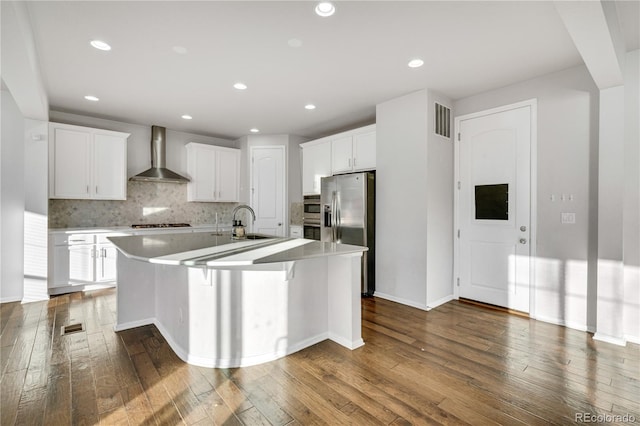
(443, 121)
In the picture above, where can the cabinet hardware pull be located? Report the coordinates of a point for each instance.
(354, 161)
(349, 162)
(87, 189)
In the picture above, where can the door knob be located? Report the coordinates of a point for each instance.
(523, 228)
(279, 223)
(523, 241)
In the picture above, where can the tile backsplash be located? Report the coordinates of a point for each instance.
(147, 202)
(296, 211)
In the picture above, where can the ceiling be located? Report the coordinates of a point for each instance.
(171, 58)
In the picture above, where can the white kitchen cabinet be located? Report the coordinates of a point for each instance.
(342, 154)
(316, 164)
(354, 150)
(87, 163)
(78, 260)
(214, 172)
(295, 231)
(364, 151)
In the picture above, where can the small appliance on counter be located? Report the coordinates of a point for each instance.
(238, 231)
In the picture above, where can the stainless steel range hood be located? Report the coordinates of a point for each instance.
(158, 171)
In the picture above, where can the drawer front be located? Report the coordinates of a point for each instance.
(72, 239)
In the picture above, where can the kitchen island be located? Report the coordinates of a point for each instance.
(221, 302)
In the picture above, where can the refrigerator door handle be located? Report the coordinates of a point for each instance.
(334, 217)
(338, 219)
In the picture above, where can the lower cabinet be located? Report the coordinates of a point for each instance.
(81, 260)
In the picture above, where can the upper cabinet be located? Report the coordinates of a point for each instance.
(316, 163)
(87, 163)
(345, 152)
(354, 152)
(214, 172)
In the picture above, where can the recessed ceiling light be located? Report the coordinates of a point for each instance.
(310, 106)
(101, 45)
(92, 98)
(180, 50)
(187, 117)
(240, 86)
(254, 130)
(325, 9)
(415, 63)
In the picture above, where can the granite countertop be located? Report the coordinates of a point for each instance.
(129, 229)
(205, 249)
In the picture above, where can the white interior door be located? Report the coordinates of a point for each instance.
(267, 189)
(494, 207)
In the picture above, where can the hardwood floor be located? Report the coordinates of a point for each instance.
(457, 364)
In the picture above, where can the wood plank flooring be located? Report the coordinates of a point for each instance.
(457, 364)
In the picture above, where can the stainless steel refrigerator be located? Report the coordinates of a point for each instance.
(348, 205)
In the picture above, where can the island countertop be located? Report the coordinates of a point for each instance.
(207, 249)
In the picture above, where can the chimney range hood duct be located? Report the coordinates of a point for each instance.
(158, 171)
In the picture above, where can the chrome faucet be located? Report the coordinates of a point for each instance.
(243, 206)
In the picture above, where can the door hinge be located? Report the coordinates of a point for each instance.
(458, 233)
(458, 281)
(458, 137)
(458, 185)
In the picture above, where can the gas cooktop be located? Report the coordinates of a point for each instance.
(160, 225)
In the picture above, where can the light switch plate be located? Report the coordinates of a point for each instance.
(568, 218)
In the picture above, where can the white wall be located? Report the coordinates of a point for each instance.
(11, 200)
(631, 212)
(138, 147)
(572, 160)
(567, 160)
(440, 195)
(293, 173)
(36, 178)
(295, 168)
(36, 158)
(414, 202)
(401, 201)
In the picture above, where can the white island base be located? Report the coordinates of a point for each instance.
(233, 316)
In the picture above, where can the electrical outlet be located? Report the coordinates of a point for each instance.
(568, 218)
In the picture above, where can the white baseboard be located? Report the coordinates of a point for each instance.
(441, 301)
(346, 343)
(10, 299)
(568, 324)
(633, 339)
(235, 362)
(401, 300)
(619, 341)
(134, 324)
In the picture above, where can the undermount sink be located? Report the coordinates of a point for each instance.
(255, 237)
(258, 236)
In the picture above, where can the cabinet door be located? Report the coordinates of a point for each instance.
(106, 258)
(70, 158)
(316, 164)
(341, 155)
(60, 266)
(364, 151)
(110, 167)
(228, 175)
(202, 170)
(81, 264)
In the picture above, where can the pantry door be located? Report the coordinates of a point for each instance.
(268, 189)
(494, 206)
